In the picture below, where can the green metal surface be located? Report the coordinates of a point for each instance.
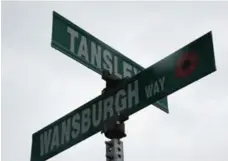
(172, 73)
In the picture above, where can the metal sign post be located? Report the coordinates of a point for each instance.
(114, 129)
(114, 147)
(114, 150)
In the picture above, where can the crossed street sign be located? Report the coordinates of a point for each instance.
(172, 73)
(93, 53)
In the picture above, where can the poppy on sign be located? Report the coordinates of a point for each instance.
(186, 64)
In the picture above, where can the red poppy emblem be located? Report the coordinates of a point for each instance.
(186, 64)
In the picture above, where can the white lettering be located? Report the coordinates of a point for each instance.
(107, 61)
(127, 69)
(55, 138)
(120, 101)
(75, 126)
(65, 131)
(97, 120)
(108, 108)
(116, 67)
(136, 71)
(149, 90)
(162, 82)
(95, 55)
(156, 88)
(133, 94)
(45, 139)
(83, 49)
(73, 35)
(86, 122)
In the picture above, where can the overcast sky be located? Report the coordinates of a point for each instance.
(40, 84)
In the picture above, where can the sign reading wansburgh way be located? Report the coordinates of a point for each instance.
(176, 71)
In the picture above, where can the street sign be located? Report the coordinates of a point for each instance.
(172, 73)
(93, 53)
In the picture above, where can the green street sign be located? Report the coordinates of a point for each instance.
(93, 53)
(172, 73)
